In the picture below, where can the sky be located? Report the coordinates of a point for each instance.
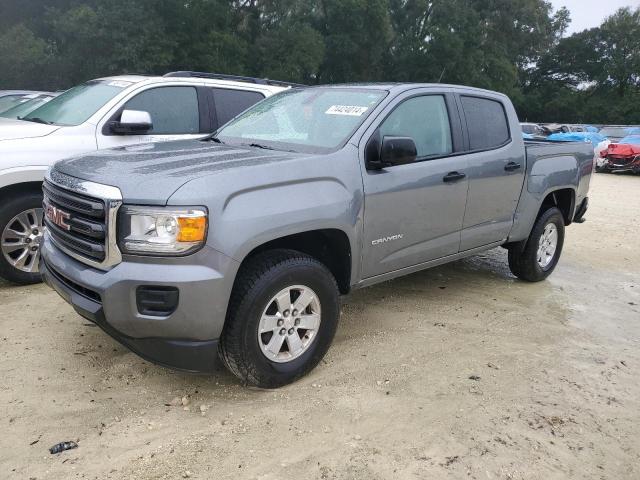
(591, 13)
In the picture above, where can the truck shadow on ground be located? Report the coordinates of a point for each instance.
(474, 273)
(451, 283)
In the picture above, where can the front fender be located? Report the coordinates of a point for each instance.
(253, 217)
(252, 206)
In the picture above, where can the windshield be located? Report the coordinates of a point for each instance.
(309, 120)
(25, 107)
(10, 101)
(76, 105)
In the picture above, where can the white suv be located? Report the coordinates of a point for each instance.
(103, 113)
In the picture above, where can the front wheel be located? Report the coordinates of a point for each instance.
(542, 251)
(21, 233)
(282, 317)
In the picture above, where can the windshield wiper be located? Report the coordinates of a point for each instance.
(213, 138)
(37, 120)
(258, 145)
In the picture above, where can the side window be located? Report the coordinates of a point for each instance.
(486, 121)
(230, 103)
(426, 120)
(173, 110)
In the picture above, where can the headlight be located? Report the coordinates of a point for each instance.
(162, 231)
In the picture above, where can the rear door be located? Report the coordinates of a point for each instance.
(496, 167)
(226, 103)
(413, 213)
(177, 112)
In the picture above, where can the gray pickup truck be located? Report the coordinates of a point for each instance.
(240, 245)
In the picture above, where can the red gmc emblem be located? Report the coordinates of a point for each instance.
(57, 216)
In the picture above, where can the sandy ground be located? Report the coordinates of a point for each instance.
(555, 394)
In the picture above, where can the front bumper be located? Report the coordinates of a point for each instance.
(187, 339)
(622, 164)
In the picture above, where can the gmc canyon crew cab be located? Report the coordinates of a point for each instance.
(103, 113)
(241, 244)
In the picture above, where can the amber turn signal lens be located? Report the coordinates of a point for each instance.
(192, 229)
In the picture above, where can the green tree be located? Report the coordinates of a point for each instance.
(109, 38)
(356, 35)
(513, 46)
(23, 57)
(617, 51)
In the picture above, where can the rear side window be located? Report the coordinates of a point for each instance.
(486, 121)
(173, 110)
(230, 103)
(424, 119)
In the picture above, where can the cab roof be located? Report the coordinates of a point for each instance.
(403, 86)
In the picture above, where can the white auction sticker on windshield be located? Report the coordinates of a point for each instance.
(353, 110)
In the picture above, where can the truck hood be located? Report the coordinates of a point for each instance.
(151, 173)
(11, 129)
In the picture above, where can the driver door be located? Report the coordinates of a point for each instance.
(174, 111)
(414, 213)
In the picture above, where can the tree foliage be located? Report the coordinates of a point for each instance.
(517, 47)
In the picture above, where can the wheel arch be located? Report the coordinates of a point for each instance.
(562, 198)
(11, 190)
(330, 246)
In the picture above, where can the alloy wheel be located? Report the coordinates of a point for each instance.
(289, 324)
(547, 245)
(21, 240)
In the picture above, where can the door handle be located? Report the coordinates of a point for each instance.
(511, 166)
(453, 177)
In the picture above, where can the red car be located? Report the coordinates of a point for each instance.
(621, 157)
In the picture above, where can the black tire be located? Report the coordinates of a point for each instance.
(524, 262)
(9, 209)
(262, 277)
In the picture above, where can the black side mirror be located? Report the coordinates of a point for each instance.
(132, 122)
(398, 151)
(389, 151)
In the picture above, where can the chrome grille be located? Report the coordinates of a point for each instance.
(80, 218)
(84, 227)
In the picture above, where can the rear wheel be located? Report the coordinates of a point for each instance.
(282, 318)
(21, 233)
(542, 251)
